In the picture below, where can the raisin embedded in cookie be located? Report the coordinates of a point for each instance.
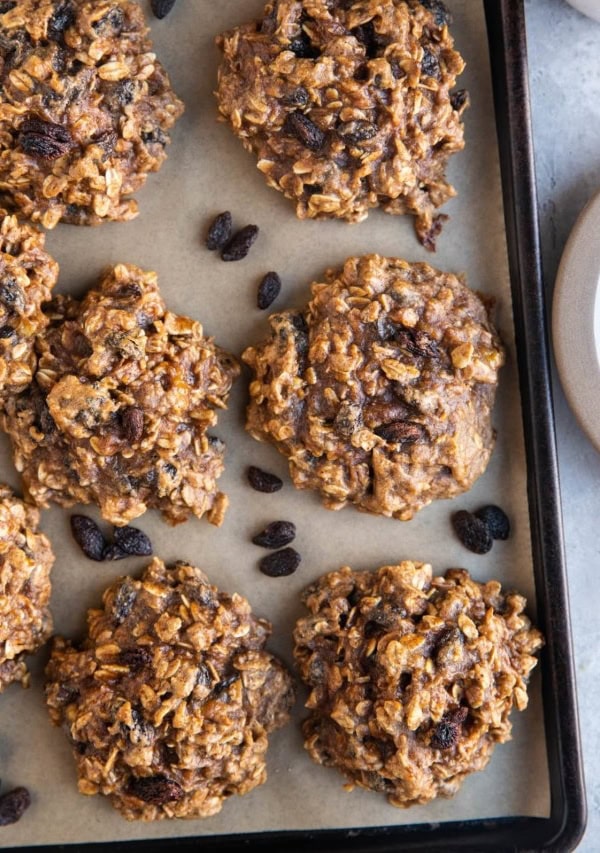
(121, 405)
(380, 391)
(27, 276)
(85, 109)
(412, 677)
(169, 700)
(347, 105)
(26, 559)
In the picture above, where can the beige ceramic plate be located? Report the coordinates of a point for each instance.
(576, 320)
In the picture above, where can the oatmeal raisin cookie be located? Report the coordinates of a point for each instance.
(347, 105)
(380, 391)
(26, 559)
(27, 276)
(412, 677)
(120, 406)
(169, 700)
(85, 109)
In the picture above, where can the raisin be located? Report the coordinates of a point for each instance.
(11, 295)
(459, 100)
(430, 65)
(124, 600)
(107, 141)
(6, 6)
(13, 805)
(89, 537)
(428, 237)
(417, 343)
(268, 290)
(132, 424)
(156, 790)
(366, 35)
(276, 535)
(203, 676)
(6, 332)
(447, 732)
(156, 136)
(262, 481)
(439, 11)
(44, 139)
(114, 20)
(357, 131)
(133, 541)
(306, 131)
(225, 683)
(302, 47)
(298, 98)
(161, 8)
(136, 658)
(239, 245)
(61, 20)
(495, 520)
(401, 432)
(113, 552)
(219, 233)
(125, 92)
(280, 563)
(472, 532)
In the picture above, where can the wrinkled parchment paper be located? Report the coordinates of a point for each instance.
(207, 172)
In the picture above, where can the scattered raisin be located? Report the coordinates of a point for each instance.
(276, 535)
(136, 658)
(6, 332)
(303, 48)
(161, 8)
(472, 532)
(113, 552)
(132, 424)
(62, 19)
(447, 731)
(441, 14)
(13, 805)
(133, 541)
(268, 290)
(156, 790)
(306, 131)
(298, 98)
(226, 682)
(366, 35)
(495, 520)
(262, 481)
(430, 65)
(357, 131)
(89, 537)
(280, 563)
(401, 432)
(7, 6)
(44, 139)
(239, 245)
(219, 233)
(124, 600)
(459, 100)
(428, 237)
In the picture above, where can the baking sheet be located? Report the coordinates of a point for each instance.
(207, 172)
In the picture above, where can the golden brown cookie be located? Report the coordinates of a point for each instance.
(27, 276)
(412, 677)
(380, 391)
(26, 559)
(121, 405)
(169, 700)
(85, 109)
(347, 105)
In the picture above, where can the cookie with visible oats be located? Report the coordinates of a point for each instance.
(169, 700)
(85, 109)
(347, 105)
(27, 276)
(26, 557)
(412, 677)
(380, 390)
(119, 411)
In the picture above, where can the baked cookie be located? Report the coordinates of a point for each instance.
(347, 105)
(380, 391)
(412, 677)
(85, 109)
(119, 410)
(26, 558)
(27, 276)
(169, 700)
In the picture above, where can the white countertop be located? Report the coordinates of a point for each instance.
(564, 70)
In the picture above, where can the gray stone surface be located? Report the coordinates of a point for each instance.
(564, 67)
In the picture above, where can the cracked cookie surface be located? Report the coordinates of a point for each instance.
(85, 109)
(380, 391)
(26, 560)
(347, 105)
(27, 276)
(169, 700)
(412, 677)
(120, 407)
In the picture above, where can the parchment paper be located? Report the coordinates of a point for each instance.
(208, 172)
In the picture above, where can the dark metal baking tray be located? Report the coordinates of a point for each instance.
(564, 827)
